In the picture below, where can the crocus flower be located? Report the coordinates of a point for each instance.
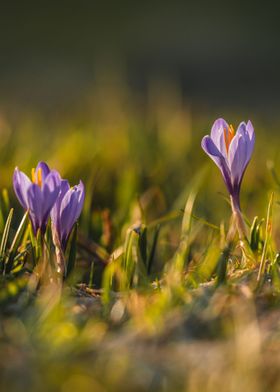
(37, 195)
(231, 152)
(66, 211)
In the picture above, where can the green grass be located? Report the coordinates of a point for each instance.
(156, 297)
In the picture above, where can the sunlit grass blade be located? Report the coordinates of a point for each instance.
(191, 190)
(16, 242)
(181, 253)
(39, 245)
(33, 244)
(5, 237)
(222, 265)
(91, 275)
(130, 254)
(205, 222)
(255, 240)
(143, 244)
(209, 264)
(153, 250)
(2, 219)
(253, 234)
(268, 229)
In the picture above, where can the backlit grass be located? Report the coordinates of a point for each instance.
(156, 298)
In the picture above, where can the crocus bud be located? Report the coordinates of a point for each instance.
(66, 211)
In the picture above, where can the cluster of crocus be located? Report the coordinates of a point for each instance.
(45, 195)
(231, 152)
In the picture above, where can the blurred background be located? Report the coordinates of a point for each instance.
(219, 53)
(120, 93)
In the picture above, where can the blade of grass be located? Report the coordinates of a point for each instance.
(16, 242)
(90, 281)
(267, 237)
(182, 251)
(222, 265)
(143, 244)
(129, 261)
(153, 250)
(5, 236)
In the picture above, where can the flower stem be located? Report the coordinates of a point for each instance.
(60, 259)
(238, 218)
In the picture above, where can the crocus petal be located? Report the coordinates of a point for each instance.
(247, 132)
(50, 192)
(80, 189)
(250, 140)
(250, 130)
(55, 212)
(241, 130)
(71, 207)
(52, 181)
(64, 187)
(44, 168)
(217, 135)
(68, 214)
(211, 149)
(21, 185)
(237, 157)
(35, 204)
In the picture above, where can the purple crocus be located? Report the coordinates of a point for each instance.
(231, 152)
(66, 211)
(37, 195)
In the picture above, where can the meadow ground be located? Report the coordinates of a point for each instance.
(156, 298)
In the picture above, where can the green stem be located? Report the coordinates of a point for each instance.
(238, 219)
